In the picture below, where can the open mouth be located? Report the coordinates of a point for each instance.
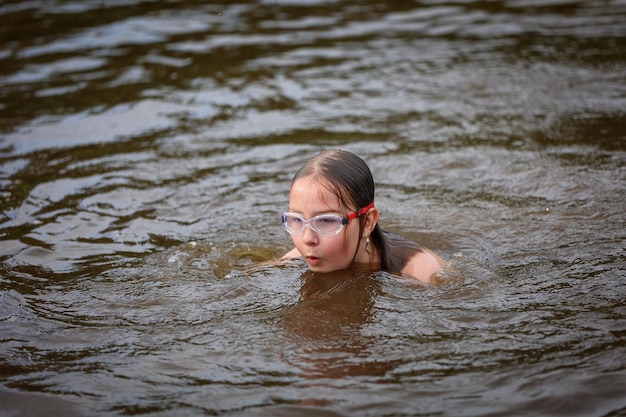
(313, 260)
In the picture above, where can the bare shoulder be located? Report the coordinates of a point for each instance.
(424, 266)
(294, 253)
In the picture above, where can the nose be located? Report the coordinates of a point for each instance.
(309, 236)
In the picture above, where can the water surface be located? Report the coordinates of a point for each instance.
(146, 151)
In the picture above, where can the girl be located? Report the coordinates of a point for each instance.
(333, 221)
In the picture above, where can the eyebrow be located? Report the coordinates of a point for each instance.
(319, 213)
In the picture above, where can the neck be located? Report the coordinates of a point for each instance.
(366, 255)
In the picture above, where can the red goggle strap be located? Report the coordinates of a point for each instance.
(357, 213)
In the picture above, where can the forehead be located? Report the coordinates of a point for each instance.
(310, 196)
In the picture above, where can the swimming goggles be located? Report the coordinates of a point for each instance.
(324, 224)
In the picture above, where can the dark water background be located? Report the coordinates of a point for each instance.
(146, 149)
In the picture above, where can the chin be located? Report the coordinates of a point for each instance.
(325, 270)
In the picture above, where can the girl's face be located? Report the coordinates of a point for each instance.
(322, 253)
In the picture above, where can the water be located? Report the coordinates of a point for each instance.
(146, 150)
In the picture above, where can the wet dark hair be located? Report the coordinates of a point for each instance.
(349, 178)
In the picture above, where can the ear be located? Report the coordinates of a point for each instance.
(370, 221)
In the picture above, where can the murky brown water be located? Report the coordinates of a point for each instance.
(146, 150)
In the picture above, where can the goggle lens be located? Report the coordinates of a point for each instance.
(326, 224)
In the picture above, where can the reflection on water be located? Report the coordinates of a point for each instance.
(326, 325)
(146, 150)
